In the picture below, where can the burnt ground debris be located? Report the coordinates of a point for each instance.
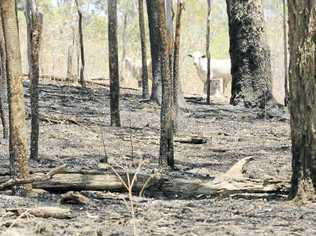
(75, 131)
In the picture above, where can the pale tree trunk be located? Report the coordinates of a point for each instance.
(145, 92)
(153, 22)
(18, 144)
(208, 53)
(285, 43)
(124, 44)
(113, 64)
(166, 157)
(81, 46)
(170, 29)
(70, 57)
(70, 75)
(302, 74)
(250, 55)
(178, 97)
(3, 87)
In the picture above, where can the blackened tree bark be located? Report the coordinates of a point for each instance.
(249, 52)
(153, 22)
(113, 64)
(37, 26)
(28, 12)
(34, 21)
(302, 74)
(166, 157)
(18, 144)
(81, 46)
(178, 97)
(208, 54)
(3, 81)
(145, 92)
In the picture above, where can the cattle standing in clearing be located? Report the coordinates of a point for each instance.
(220, 74)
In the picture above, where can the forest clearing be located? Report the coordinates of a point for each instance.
(157, 117)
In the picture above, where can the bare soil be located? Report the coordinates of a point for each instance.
(75, 131)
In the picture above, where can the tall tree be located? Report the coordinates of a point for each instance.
(153, 22)
(124, 44)
(17, 144)
(113, 64)
(302, 40)
(166, 157)
(285, 43)
(70, 51)
(178, 97)
(81, 46)
(208, 54)
(28, 12)
(145, 92)
(3, 81)
(249, 52)
(34, 31)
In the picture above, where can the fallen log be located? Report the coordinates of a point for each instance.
(45, 177)
(191, 140)
(231, 182)
(58, 120)
(63, 180)
(97, 182)
(44, 212)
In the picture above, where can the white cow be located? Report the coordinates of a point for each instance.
(220, 74)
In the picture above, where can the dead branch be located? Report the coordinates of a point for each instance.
(49, 175)
(44, 212)
(59, 120)
(191, 140)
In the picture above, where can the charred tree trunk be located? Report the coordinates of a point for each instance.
(250, 55)
(153, 21)
(29, 11)
(37, 26)
(113, 64)
(178, 98)
(166, 157)
(82, 57)
(3, 81)
(286, 72)
(34, 30)
(302, 40)
(208, 53)
(18, 144)
(145, 92)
